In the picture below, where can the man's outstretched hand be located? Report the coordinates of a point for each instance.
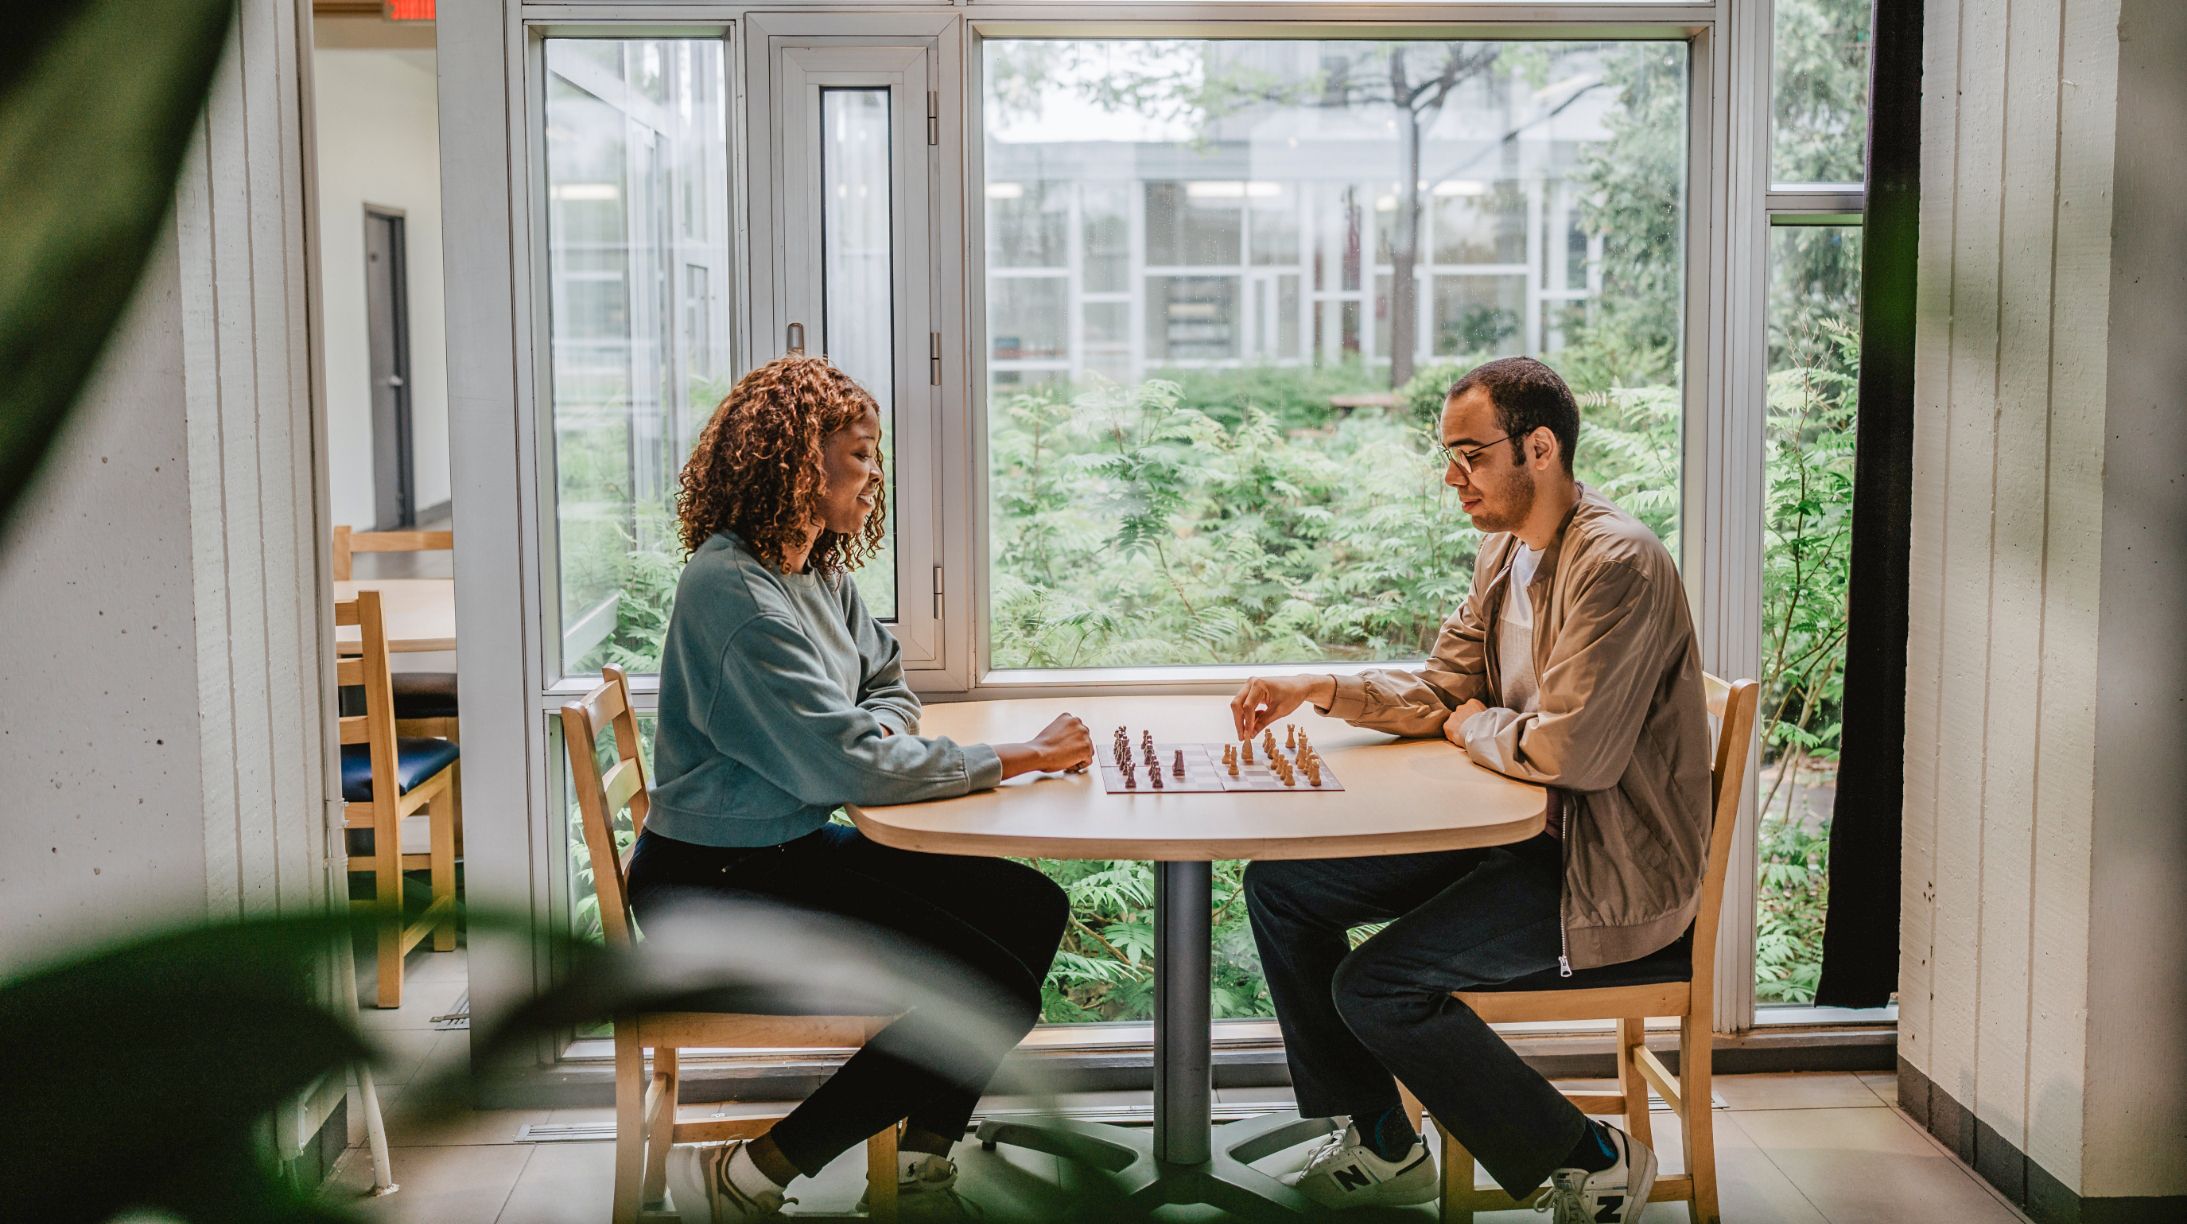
(1264, 699)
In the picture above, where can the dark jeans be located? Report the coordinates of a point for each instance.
(992, 918)
(1354, 1019)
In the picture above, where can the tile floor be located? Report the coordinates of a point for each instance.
(1804, 1149)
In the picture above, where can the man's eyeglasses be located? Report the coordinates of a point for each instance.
(1464, 456)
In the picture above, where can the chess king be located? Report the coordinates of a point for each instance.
(1572, 664)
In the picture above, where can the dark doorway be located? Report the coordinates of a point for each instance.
(387, 320)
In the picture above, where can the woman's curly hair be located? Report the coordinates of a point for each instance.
(756, 470)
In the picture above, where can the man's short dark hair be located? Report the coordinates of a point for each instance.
(1527, 395)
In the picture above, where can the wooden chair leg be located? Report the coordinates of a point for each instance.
(1457, 1181)
(1631, 1038)
(387, 908)
(455, 796)
(1414, 1111)
(630, 1136)
(661, 1125)
(1695, 1049)
(881, 1163)
(440, 823)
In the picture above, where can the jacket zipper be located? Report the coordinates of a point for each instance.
(1564, 937)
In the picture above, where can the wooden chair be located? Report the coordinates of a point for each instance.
(348, 542)
(425, 702)
(645, 1107)
(1691, 999)
(387, 782)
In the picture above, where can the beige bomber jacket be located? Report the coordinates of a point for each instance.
(1621, 735)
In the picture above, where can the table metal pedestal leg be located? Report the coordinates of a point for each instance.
(1185, 1160)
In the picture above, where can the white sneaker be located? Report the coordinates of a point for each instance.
(701, 1192)
(1615, 1195)
(926, 1189)
(1345, 1172)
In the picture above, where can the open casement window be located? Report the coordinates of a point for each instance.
(844, 145)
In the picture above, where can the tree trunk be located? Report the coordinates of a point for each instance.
(1405, 257)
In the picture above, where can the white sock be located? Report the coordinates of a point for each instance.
(745, 1175)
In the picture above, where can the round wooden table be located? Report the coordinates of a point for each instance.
(1399, 797)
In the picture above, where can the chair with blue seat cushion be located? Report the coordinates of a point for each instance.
(645, 1106)
(1679, 980)
(422, 773)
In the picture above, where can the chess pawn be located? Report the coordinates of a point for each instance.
(1178, 765)
(1155, 775)
(1233, 763)
(1131, 780)
(1249, 752)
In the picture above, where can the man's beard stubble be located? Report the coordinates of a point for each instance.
(1522, 505)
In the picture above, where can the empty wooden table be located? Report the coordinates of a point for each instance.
(1399, 797)
(420, 613)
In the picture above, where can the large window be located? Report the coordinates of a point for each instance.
(1227, 285)
(1818, 135)
(638, 299)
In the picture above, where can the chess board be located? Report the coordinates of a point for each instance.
(1204, 772)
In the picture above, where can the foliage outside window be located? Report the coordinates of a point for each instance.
(1819, 106)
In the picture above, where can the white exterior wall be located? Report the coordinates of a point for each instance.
(379, 144)
(2035, 989)
(169, 753)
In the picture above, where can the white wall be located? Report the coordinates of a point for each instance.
(166, 757)
(378, 144)
(2043, 934)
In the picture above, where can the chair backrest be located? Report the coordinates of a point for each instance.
(600, 797)
(1731, 707)
(348, 542)
(368, 670)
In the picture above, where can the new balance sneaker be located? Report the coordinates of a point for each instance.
(926, 1190)
(702, 1192)
(1615, 1195)
(1345, 1172)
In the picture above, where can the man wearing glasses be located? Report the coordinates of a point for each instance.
(1572, 664)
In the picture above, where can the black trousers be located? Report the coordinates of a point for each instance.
(993, 919)
(1357, 1021)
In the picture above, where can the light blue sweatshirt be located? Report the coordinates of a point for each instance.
(775, 693)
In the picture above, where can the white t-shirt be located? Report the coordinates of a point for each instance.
(1515, 633)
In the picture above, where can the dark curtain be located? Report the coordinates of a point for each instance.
(1860, 938)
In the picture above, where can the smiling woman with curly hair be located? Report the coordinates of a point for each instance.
(758, 467)
(782, 699)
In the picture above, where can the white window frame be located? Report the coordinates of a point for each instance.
(490, 78)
